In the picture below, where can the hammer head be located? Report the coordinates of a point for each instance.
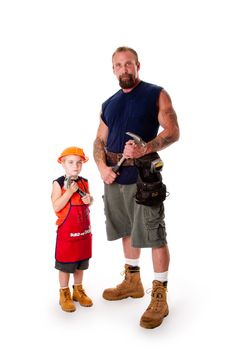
(137, 139)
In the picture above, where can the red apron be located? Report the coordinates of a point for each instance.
(74, 238)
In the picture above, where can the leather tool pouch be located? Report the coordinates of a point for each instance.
(150, 188)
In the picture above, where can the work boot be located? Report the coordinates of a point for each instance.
(130, 287)
(158, 308)
(80, 296)
(66, 302)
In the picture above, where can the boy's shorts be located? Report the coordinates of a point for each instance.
(72, 267)
(124, 217)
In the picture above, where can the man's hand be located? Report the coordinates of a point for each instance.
(107, 174)
(133, 150)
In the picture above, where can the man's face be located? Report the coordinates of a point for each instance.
(126, 69)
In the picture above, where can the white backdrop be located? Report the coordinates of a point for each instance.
(55, 73)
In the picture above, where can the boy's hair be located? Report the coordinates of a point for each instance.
(126, 48)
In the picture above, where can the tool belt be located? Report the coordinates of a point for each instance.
(113, 158)
(151, 190)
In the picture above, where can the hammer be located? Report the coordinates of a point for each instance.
(157, 164)
(68, 183)
(138, 140)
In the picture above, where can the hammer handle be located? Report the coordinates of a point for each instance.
(116, 167)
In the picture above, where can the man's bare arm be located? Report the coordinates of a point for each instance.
(99, 144)
(168, 121)
(106, 172)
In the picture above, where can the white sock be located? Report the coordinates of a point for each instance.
(161, 276)
(132, 262)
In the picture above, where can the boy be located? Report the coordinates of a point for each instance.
(71, 200)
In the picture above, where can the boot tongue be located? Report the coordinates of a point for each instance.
(159, 284)
(158, 290)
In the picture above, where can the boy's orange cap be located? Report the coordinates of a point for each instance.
(70, 151)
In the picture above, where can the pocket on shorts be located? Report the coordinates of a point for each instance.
(158, 233)
(154, 224)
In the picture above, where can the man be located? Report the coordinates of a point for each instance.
(140, 108)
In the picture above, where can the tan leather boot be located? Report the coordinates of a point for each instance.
(130, 287)
(80, 296)
(158, 308)
(66, 302)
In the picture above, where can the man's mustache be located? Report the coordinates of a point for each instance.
(126, 75)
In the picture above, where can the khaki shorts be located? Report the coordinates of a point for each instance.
(124, 217)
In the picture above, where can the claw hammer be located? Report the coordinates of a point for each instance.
(68, 183)
(138, 140)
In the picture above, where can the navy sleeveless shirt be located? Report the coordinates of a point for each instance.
(135, 111)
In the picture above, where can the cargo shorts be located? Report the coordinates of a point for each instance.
(124, 217)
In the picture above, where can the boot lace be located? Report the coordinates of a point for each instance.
(157, 298)
(82, 291)
(126, 273)
(123, 273)
(67, 295)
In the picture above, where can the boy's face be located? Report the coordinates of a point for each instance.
(72, 165)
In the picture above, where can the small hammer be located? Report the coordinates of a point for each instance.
(138, 140)
(69, 180)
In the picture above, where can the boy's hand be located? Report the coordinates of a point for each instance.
(87, 199)
(73, 187)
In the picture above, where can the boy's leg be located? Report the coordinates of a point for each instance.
(79, 293)
(78, 277)
(64, 278)
(65, 297)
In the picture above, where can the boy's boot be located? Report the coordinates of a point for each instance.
(158, 308)
(80, 296)
(66, 302)
(130, 287)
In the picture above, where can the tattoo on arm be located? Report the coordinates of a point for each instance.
(160, 142)
(170, 133)
(99, 150)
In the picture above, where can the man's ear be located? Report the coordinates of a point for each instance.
(138, 66)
